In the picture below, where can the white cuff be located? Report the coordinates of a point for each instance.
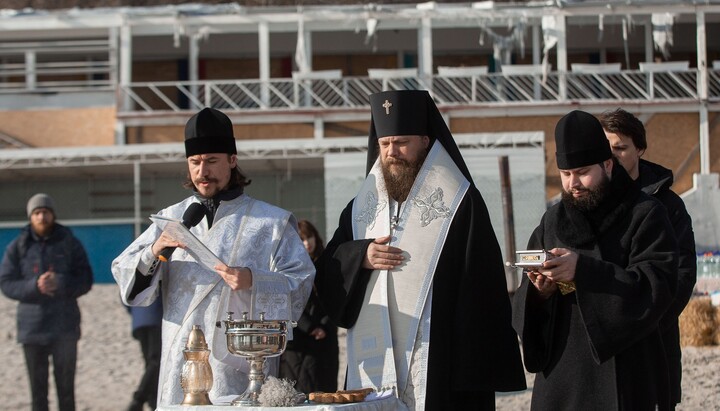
(148, 264)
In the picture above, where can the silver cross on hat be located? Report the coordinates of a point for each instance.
(387, 106)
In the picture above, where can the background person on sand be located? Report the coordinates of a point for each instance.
(46, 269)
(147, 330)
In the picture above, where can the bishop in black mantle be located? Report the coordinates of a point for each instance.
(415, 272)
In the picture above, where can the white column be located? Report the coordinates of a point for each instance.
(124, 102)
(704, 139)
(319, 129)
(30, 70)
(536, 50)
(193, 71)
(125, 65)
(649, 46)
(562, 66)
(307, 34)
(113, 41)
(425, 48)
(703, 93)
(264, 61)
(702, 57)
(137, 199)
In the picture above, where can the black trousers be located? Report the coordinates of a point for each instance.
(64, 357)
(150, 342)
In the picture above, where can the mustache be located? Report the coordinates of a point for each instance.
(398, 161)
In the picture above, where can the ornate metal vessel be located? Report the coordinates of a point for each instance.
(197, 377)
(255, 340)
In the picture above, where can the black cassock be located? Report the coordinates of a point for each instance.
(473, 348)
(600, 347)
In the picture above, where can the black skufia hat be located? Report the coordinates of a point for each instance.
(580, 141)
(209, 131)
(409, 113)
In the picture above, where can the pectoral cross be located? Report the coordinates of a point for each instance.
(387, 106)
(395, 220)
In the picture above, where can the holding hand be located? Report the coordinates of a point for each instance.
(545, 286)
(47, 283)
(162, 242)
(382, 257)
(238, 278)
(560, 268)
(318, 333)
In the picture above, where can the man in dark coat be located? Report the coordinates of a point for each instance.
(589, 318)
(46, 269)
(626, 135)
(416, 247)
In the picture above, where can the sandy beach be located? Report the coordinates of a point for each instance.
(110, 364)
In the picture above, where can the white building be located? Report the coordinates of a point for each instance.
(93, 101)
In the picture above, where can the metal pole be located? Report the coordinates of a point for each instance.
(508, 222)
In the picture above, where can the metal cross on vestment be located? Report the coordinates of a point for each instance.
(387, 106)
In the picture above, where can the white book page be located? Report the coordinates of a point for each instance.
(191, 244)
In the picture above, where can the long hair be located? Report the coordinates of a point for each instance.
(307, 230)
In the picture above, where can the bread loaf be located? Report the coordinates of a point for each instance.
(340, 397)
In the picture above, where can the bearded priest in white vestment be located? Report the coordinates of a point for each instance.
(265, 267)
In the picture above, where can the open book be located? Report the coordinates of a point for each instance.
(191, 244)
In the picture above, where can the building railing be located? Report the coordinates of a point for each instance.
(54, 66)
(301, 93)
(350, 92)
(55, 77)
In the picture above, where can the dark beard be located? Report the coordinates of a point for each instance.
(398, 185)
(43, 230)
(591, 201)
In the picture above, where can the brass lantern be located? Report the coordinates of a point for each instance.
(197, 378)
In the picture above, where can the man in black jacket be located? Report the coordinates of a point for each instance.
(626, 134)
(46, 269)
(589, 318)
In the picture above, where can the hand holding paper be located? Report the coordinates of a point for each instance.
(238, 278)
(175, 229)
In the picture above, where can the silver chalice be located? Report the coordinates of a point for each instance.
(255, 340)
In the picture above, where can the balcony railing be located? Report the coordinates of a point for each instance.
(33, 67)
(56, 77)
(621, 87)
(350, 92)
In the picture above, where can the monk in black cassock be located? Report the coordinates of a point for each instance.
(589, 317)
(415, 271)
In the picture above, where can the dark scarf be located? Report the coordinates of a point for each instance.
(586, 227)
(211, 204)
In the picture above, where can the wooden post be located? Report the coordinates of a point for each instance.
(508, 222)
